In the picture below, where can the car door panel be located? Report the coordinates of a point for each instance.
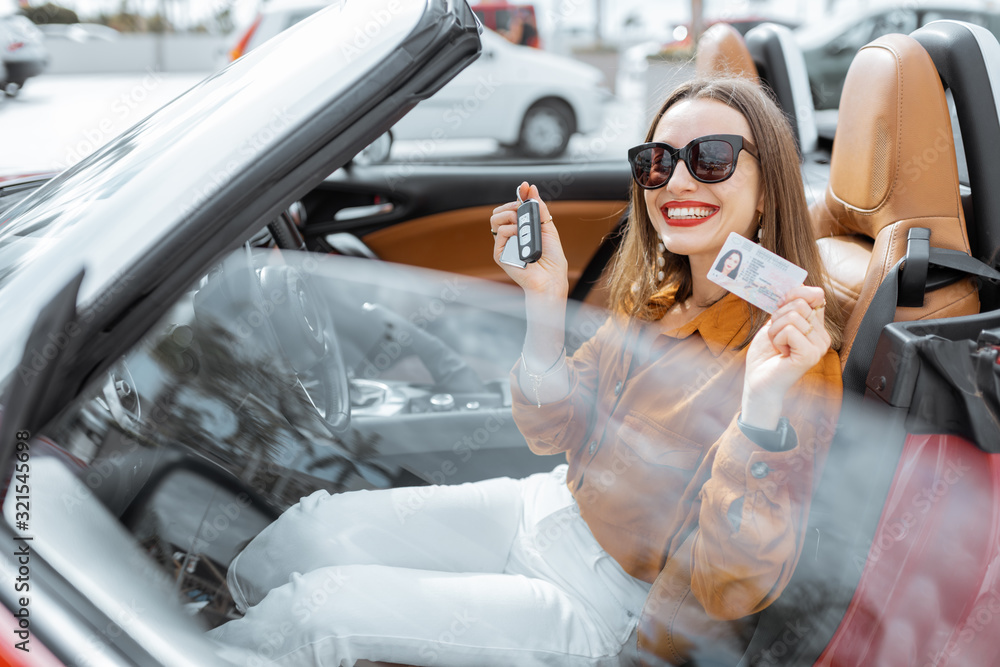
(457, 241)
(439, 214)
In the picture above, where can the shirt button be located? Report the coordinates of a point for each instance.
(593, 446)
(618, 389)
(759, 470)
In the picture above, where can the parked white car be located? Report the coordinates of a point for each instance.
(23, 52)
(527, 99)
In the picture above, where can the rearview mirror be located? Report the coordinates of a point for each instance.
(377, 151)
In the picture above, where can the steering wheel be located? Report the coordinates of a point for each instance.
(308, 341)
(280, 309)
(304, 328)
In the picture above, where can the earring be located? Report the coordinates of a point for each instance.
(660, 261)
(760, 224)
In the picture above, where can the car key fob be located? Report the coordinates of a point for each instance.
(509, 254)
(529, 231)
(518, 252)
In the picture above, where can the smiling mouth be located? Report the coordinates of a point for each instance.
(689, 213)
(687, 216)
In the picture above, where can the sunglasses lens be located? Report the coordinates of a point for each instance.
(712, 160)
(651, 167)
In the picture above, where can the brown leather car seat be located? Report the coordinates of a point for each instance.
(893, 168)
(723, 52)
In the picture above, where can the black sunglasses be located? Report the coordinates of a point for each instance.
(709, 159)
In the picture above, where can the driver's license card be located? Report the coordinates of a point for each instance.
(754, 273)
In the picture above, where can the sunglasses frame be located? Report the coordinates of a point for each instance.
(735, 141)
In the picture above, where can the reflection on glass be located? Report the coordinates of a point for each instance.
(226, 383)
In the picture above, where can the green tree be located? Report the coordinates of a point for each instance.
(50, 13)
(159, 23)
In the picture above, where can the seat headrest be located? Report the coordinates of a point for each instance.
(893, 155)
(965, 56)
(782, 66)
(722, 51)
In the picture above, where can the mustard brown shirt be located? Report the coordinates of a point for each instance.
(657, 461)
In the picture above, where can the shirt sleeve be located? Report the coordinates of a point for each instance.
(563, 425)
(755, 504)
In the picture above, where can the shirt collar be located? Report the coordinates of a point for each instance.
(723, 325)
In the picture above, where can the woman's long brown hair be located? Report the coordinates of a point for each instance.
(634, 288)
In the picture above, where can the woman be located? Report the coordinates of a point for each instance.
(729, 265)
(709, 465)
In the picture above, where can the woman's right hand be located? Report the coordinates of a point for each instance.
(548, 277)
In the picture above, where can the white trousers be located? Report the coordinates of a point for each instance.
(501, 572)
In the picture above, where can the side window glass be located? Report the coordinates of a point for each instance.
(220, 417)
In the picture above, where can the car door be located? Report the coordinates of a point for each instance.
(437, 215)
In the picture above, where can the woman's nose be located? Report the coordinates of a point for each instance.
(681, 179)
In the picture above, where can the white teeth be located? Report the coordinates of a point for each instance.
(691, 212)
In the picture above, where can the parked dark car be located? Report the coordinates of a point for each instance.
(829, 46)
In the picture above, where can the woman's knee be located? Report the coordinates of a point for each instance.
(278, 551)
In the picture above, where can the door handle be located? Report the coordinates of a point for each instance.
(358, 212)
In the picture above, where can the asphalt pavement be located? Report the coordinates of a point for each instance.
(57, 120)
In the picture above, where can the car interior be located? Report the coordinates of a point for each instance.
(433, 215)
(893, 169)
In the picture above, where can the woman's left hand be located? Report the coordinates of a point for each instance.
(793, 341)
